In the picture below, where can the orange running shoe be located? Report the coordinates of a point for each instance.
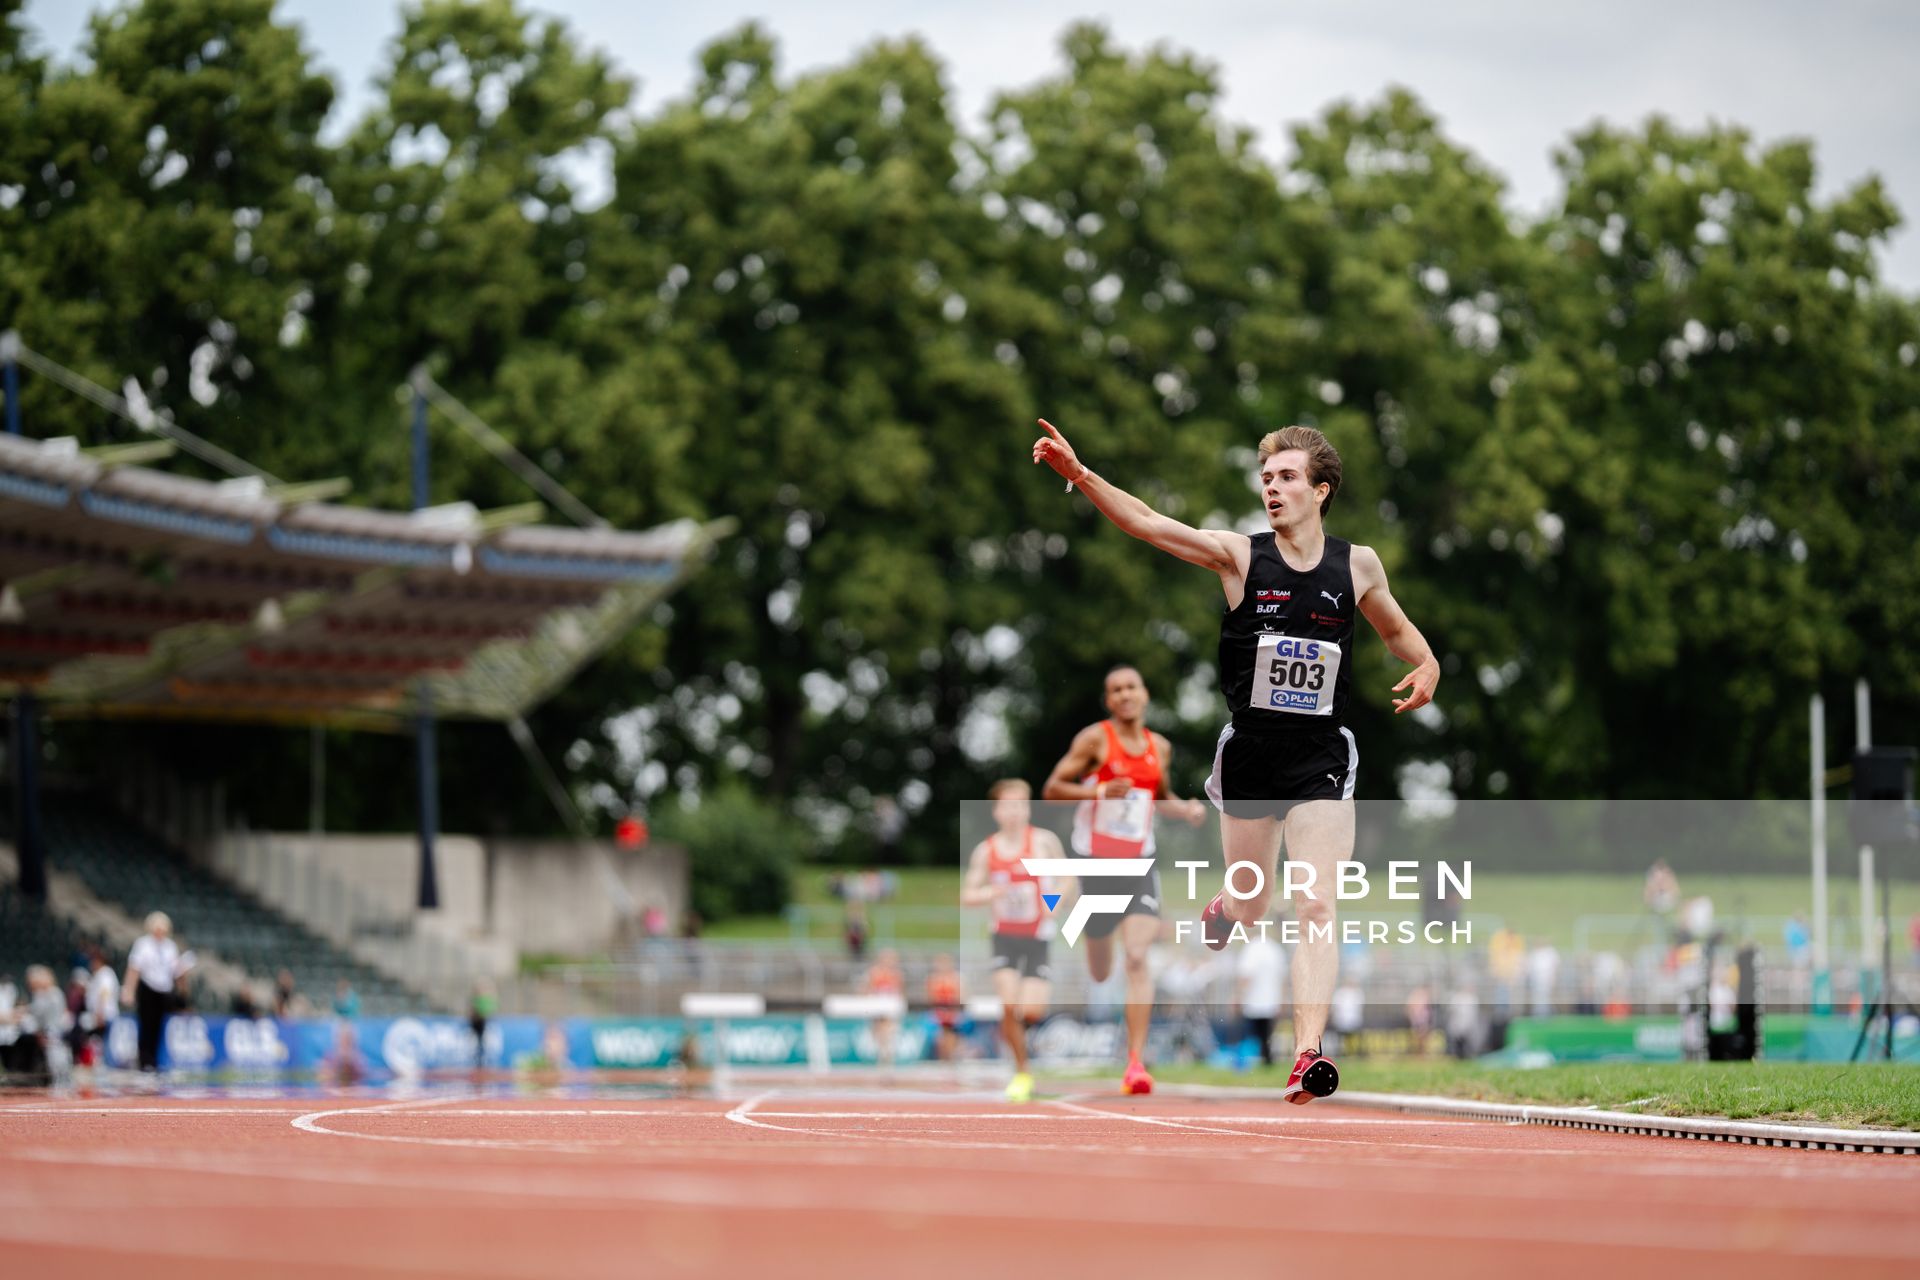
(1313, 1077)
(1136, 1080)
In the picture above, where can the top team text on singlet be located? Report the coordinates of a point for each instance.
(1285, 648)
(1120, 826)
(1016, 891)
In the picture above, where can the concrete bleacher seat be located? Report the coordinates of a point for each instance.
(125, 865)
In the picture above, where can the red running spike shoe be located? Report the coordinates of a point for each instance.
(1313, 1077)
(1215, 928)
(1136, 1080)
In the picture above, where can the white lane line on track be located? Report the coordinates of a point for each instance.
(723, 1192)
(150, 1111)
(744, 1114)
(1347, 1143)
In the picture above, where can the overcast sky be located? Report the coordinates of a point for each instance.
(1508, 78)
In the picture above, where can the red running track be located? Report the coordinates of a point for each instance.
(800, 1182)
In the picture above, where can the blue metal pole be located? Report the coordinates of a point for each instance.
(424, 735)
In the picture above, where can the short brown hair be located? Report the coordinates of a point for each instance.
(1323, 460)
(1006, 785)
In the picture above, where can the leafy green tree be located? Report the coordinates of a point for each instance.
(1708, 453)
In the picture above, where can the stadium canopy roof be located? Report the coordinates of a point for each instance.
(135, 592)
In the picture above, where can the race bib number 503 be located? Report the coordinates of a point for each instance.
(1291, 674)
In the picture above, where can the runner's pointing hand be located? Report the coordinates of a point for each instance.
(1054, 450)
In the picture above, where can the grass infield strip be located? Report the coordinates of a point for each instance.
(1744, 1132)
(1877, 1101)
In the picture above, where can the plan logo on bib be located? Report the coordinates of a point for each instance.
(1089, 905)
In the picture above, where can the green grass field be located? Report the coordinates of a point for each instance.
(1874, 1094)
(1542, 907)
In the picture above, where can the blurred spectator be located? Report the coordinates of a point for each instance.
(653, 921)
(1696, 919)
(1419, 1018)
(1913, 939)
(103, 1004)
(285, 994)
(346, 1001)
(856, 928)
(38, 1054)
(154, 968)
(484, 1006)
(1543, 970)
(945, 998)
(1348, 1015)
(1506, 952)
(345, 1066)
(9, 1026)
(1463, 1022)
(1662, 891)
(1799, 944)
(1261, 979)
(76, 1034)
(242, 1005)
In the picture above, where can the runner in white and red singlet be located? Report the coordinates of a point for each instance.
(998, 879)
(1117, 768)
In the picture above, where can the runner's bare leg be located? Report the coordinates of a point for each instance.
(1013, 1028)
(1320, 834)
(1255, 840)
(1137, 934)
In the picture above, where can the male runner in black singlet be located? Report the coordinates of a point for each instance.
(1285, 764)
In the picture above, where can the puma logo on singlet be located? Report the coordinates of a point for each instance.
(1336, 599)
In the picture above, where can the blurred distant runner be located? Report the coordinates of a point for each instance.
(944, 997)
(1285, 765)
(885, 979)
(1117, 768)
(1021, 923)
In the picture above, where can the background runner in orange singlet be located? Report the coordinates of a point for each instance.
(1117, 768)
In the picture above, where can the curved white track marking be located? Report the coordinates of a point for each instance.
(743, 1114)
(311, 1123)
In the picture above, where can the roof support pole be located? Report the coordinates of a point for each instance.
(29, 848)
(424, 735)
(10, 371)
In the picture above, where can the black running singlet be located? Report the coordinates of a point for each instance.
(1286, 651)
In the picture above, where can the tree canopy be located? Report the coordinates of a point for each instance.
(1642, 468)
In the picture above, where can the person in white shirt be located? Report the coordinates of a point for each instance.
(152, 967)
(103, 1002)
(1262, 980)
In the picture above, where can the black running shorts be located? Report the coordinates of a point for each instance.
(1025, 956)
(1263, 775)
